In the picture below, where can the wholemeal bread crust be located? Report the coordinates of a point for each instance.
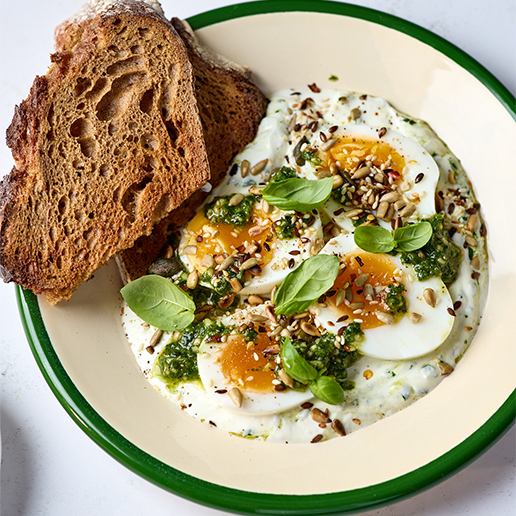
(86, 186)
(231, 107)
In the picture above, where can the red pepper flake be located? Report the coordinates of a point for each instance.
(393, 175)
(314, 88)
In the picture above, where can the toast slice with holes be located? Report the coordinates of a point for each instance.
(107, 143)
(231, 107)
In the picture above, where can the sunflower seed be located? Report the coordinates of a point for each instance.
(248, 264)
(328, 144)
(361, 280)
(385, 317)
(156, 336)
(193, 279)
(236, 199)
(415, 317)
(319, 416)
(259, 167)
(310, 329)
(244, 168)
(190, 249)
(236, 396)
(285, 378)
(429, 296)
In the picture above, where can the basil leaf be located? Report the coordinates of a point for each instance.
(159, 302)
(413, 237)
(297, 193)
(305, 284)
(295, 365)
(328, 390)
(374, 239)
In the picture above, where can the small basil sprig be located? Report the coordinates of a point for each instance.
(297, 193)
(375, 239)
(159, 302)
(325, 388)
(295, 365)
(305, 284)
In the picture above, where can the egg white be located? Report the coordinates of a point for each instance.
(403, 339)
(417, 161)
(253, 403)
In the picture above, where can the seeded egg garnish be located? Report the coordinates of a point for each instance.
(336, 275)
(261, 251)
(240, 372)
(401, 317)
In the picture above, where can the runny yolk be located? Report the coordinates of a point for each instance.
(248, 366)
(381, 272)
(223, 238)
(349, 151)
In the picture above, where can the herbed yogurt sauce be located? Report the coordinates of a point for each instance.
(381, 387)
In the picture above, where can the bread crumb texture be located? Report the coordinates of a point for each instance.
(106, 145)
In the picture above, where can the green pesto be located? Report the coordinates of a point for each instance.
(440, 257)
(341, 194)
(312, 158)
(283, 173)
(219, 210)
(250, 335)
(395, 299)
(177, 362)
(365, 217)
(220, 281)
(285, 228)
(203, 296)
(329, 359)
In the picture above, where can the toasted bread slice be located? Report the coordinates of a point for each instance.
(108, 142)
(231, 107)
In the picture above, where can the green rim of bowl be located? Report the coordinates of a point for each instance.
(245, 502)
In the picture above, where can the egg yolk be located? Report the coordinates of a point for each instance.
(352, 297)
(349, 151)
(223, 238)
(249, 366)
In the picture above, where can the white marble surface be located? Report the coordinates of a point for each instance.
(49, 466)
